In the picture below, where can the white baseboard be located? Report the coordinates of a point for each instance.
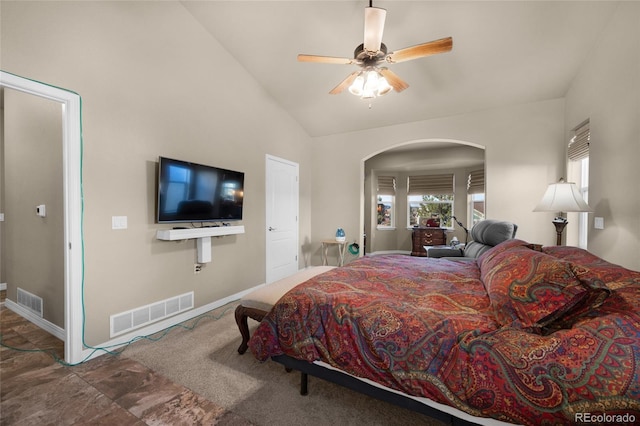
(47, 326)
(121, 341)
(124, 340)
(114, 344)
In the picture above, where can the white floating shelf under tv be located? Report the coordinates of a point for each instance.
(189, 233)
(202, 235)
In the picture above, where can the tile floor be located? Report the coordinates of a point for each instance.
(108, 390)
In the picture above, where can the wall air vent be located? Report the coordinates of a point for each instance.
(30, 301)
(145, 315)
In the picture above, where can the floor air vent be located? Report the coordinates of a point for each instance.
(135, 318)
(30, 301)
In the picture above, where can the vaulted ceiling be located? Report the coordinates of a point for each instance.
(504, 53)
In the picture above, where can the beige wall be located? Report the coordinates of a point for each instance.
(523, 152)
(607, 92)
(153, 83)
(33, 175)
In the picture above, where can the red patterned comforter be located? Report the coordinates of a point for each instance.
(430, 328)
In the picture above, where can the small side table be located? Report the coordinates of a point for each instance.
(342, 245)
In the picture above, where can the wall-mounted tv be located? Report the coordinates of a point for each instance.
(190, 192)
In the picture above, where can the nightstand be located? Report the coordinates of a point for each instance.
(425, 236)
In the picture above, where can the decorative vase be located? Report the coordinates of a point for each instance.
(340, 235)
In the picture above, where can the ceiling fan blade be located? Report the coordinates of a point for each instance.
(325, 59)
(394, 81)
(344, 83)
(374, 18)
(425, 49)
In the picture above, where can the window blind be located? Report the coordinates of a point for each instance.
(475, 182)
(386, 185)
(430, 184)
(579, 144)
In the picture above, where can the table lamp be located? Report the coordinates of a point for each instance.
(562, 197)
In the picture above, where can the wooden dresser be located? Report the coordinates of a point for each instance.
(426, 237)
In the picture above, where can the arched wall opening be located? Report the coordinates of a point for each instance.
(411, 158)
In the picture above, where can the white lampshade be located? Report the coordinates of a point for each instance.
(383, 86)
(374, 18)
(562, 197)
(357, 86)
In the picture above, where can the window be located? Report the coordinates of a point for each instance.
(578, 172)
(430, 198)
(476, 208)
(475, 191)
(435, 207)
(385, 209)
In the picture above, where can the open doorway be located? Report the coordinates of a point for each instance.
(32, 194)
(70, 105)
(391, 208)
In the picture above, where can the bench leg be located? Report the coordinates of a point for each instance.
(243, 326)
(241, 314)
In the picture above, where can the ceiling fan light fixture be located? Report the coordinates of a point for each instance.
(383, 86)
(357, 87)
(370, 84)
(371, 81)
(368, 94)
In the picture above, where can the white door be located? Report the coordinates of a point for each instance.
(282, 218)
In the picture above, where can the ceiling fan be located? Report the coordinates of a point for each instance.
(375, 79)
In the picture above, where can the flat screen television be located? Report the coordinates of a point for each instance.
(190, 192)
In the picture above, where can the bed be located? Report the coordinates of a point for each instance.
(522, 335)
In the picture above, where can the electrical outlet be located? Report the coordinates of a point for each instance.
(41, 210)
(197, 268)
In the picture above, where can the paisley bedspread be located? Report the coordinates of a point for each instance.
(523, 336)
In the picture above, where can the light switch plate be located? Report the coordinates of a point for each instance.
(598, 222)
(118, 222)
(1, 217)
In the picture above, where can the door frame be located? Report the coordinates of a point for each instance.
(71, 104)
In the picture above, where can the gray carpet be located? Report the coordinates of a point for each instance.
(204, 358)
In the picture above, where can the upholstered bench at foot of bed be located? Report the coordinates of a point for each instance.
(258, 303)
